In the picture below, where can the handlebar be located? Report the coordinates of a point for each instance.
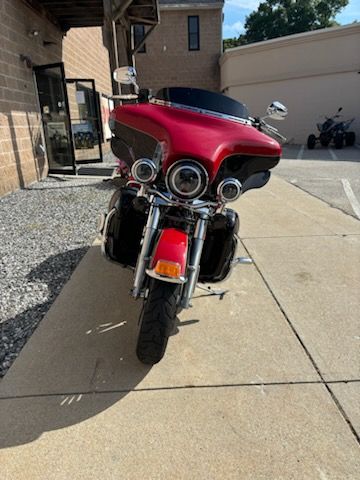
(261, 125)
(273, 131)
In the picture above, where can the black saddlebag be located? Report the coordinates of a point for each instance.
(219, 247)
(124, 229)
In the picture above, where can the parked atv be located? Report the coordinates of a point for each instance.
(332, 130)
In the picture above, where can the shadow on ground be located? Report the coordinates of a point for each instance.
(85, 345)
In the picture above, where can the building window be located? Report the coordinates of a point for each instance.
(194, 32)
(139, 34)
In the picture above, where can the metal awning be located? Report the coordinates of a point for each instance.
(90, 13)
(115, 16)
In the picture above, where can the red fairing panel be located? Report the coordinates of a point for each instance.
(173, 247)
(186, 134)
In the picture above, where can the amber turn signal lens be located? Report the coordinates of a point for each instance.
(168, 269)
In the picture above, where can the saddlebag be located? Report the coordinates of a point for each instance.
(219, 247)
(124, 229)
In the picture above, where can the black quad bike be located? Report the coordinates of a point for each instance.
(333, 131)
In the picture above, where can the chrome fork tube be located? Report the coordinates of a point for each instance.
(194, 264)
(143, 258)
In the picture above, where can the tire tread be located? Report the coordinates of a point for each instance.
(157, 321)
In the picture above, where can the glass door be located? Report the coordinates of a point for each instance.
(85, 120)
(54, 108)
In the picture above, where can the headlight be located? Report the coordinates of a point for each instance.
(144, 170)
(187, 179)
(229, 190)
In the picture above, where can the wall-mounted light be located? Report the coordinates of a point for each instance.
(33, 33)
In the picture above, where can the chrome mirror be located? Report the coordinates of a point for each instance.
(125, 75)
(277, 111)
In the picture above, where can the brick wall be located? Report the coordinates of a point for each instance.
(21, 159)
(85, 56)
(168, 62)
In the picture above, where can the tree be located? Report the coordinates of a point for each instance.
(232, 42)
(276, 18)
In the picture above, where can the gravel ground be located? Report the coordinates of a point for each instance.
(45, 230)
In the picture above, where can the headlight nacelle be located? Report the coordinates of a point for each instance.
(144, 171)
(229, 190)
(187, 180)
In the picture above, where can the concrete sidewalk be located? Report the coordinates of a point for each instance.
(261, 385)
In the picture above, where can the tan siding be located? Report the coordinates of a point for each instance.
(313, 74)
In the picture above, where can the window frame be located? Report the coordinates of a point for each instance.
(143, 48)
(197, 33)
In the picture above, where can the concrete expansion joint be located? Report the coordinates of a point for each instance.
(184, 387)
(341, 235)
(323, 201)
(306, 351)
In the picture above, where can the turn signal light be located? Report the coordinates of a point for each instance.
(168, 269)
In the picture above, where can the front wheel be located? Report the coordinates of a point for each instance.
(157, 321)
(311, 141)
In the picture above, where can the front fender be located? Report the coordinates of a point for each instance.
(169, 258)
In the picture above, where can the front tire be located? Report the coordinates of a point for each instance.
(157, 321)
(311, 141)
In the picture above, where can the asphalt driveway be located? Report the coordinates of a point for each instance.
(329, 174)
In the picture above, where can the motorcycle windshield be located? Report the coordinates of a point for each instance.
(203, 100)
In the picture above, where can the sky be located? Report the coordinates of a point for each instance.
(236, 11)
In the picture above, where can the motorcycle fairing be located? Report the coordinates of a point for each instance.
(187, 134)
(171, 246)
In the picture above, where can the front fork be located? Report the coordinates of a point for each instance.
(194, 263)
(151, 228)
(193, 267)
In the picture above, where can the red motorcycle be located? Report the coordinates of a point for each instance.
(190, 152)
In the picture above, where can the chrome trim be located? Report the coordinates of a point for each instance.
(195, 257)
(193, 205)
(164, 278)
(211, 113)
(105, 231)
(226, 182)
(270, 130)
(132, 182)
(242, 261)
(172, 168)
(101, 223)
(148, 162)
(277, 110)
(150, 231)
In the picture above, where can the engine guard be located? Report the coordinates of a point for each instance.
(169, 258)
